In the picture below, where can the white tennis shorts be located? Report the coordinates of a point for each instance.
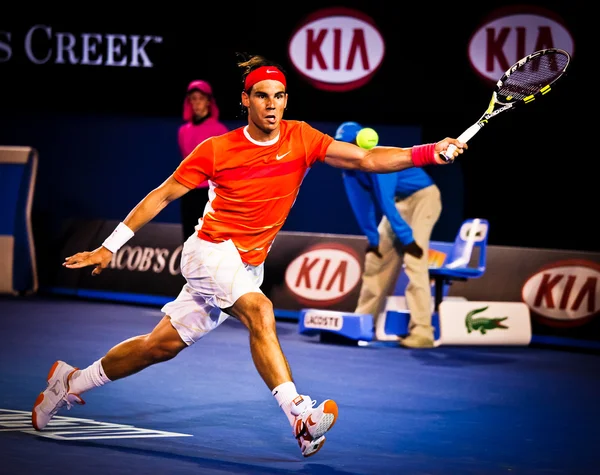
(215, 278)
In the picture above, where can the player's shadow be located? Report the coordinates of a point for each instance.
(210, 463)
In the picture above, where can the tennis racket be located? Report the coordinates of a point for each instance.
(523, 82)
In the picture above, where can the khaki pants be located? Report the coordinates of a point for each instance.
(421, 211)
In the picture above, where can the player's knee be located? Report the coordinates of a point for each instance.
(163, 349)
(259, 316)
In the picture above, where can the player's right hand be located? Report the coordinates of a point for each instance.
(99, 257)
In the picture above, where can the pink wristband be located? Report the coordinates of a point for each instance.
(423, 155)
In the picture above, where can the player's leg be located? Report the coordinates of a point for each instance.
(228, 283)
(309, 424)
(216, 273)
(421, 211)
(66, 384)
(194, 318)
(137, 353)
(255, 311)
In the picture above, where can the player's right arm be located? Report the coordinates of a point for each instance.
(152, 204)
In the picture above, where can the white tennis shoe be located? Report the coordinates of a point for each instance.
(311, 423)
(55, 396)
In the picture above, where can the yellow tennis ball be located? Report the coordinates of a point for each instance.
(367, 138)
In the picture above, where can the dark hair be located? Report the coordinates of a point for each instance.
(248, 63)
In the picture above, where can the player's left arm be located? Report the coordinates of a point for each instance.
(388, 159)
(152, 204)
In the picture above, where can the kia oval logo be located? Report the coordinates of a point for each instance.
(511, 34)
(323, 274)
(564, 293)
(337, 49)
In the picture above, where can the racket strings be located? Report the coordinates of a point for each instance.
(533, 76)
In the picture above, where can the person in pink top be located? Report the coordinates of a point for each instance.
(201, 116)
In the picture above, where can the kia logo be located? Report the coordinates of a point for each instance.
(323, 274)
(337, 49)
(564, 293)
(511, 34)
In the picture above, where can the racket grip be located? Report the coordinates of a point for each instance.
(464, 138)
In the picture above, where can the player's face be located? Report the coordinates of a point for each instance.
(266, 104)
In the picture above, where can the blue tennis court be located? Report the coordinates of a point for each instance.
(450, 410)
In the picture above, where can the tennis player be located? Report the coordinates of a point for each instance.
(254, 174)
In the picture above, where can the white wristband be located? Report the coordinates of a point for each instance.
(118, 238)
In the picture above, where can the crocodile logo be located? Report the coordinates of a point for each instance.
(483, 324)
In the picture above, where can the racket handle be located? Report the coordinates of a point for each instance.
(464, 138)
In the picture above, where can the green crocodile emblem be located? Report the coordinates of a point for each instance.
(483, 324)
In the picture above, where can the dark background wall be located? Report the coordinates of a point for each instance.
(104, 132)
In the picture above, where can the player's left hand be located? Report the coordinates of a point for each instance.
(99, 257)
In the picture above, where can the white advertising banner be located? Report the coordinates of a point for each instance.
(484, 323)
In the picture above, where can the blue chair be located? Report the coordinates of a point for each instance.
(457, 266)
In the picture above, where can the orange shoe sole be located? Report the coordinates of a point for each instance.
(40, 397)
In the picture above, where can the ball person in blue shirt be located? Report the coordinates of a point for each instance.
(409, 204)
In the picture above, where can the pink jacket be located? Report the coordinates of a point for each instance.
(190, 135)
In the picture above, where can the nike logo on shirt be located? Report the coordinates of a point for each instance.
(279, 157)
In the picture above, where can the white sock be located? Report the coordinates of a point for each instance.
(91, 377)
(285, 394)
